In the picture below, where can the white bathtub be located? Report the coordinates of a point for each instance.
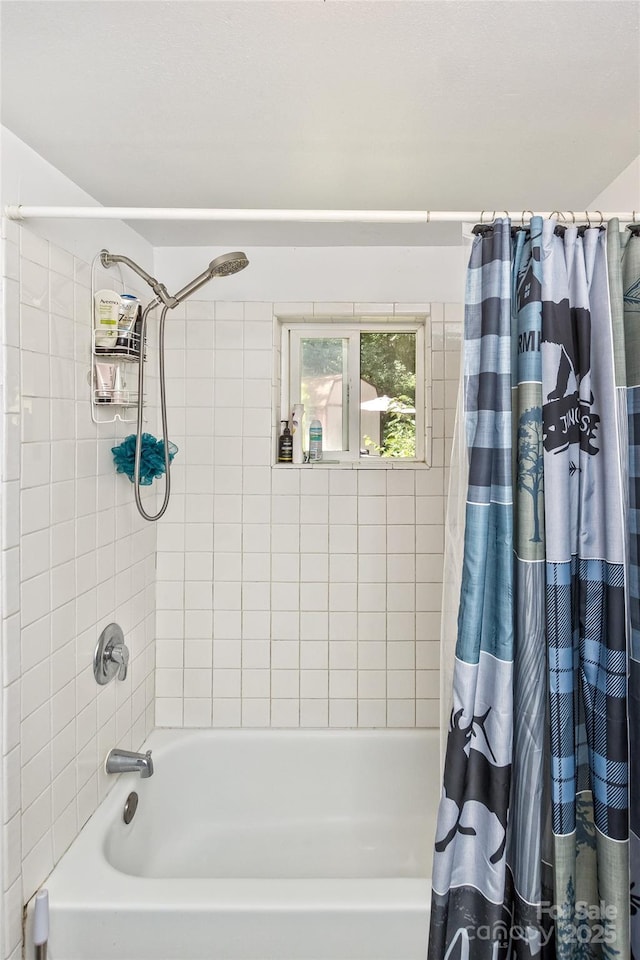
(257, 845)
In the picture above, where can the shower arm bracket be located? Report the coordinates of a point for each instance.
(162, 294)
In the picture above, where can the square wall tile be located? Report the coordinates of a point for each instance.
(289, 597)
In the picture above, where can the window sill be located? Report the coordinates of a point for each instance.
(382, 464)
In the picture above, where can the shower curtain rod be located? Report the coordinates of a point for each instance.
(20, 212)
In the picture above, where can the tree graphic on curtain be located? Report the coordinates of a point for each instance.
(530, 462)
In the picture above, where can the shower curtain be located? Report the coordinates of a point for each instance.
(532, 840)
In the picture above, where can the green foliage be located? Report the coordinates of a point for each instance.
(398, 433)
(388, 362)
(321, 357)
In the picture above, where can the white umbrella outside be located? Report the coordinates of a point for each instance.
(384, 403)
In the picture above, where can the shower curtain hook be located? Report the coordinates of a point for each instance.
(482, 218)
(634, 226)
(532, 214)
(573, 217)
(586, 216)
(507, 214)
(601, 218)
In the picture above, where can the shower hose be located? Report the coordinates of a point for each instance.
(163, 410)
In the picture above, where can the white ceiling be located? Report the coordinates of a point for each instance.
(412, 104)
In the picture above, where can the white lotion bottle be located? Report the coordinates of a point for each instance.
(104, 382)
(106, 310)
(119, 395)
(296, 430)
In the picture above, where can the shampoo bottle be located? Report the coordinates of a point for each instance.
(138, 348)
(126, 322)
(297, 415)
(315, 441)
(285, 444)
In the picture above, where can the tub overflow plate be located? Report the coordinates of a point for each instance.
(130, 807)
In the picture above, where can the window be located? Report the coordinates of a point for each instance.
(364, 381)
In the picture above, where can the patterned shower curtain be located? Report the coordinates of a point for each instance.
(531, 854)
(624, 282)
(586, 622)
(472, 891)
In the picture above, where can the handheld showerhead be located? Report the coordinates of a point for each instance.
(228, 263)
(222, 266)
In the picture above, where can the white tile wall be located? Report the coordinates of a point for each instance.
(293, 597)
(75, 556)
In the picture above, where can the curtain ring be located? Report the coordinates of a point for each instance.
(601, 218)
(557, 214)
(573, 217)
(482, 218)
(507, 214)
(586, 216)
(532, 214)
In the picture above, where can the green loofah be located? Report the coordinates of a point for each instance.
(151, 460)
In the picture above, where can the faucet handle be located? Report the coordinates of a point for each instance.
(120, 655)
(111, 656)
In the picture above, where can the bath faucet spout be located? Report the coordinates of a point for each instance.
(126, 761)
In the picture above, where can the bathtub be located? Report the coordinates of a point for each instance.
(257, 845)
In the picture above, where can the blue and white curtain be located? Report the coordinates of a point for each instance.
(532, 842)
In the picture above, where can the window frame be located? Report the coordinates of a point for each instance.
(294, 330)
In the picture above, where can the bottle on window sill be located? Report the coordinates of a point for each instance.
(315, 441)
(285, 444)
